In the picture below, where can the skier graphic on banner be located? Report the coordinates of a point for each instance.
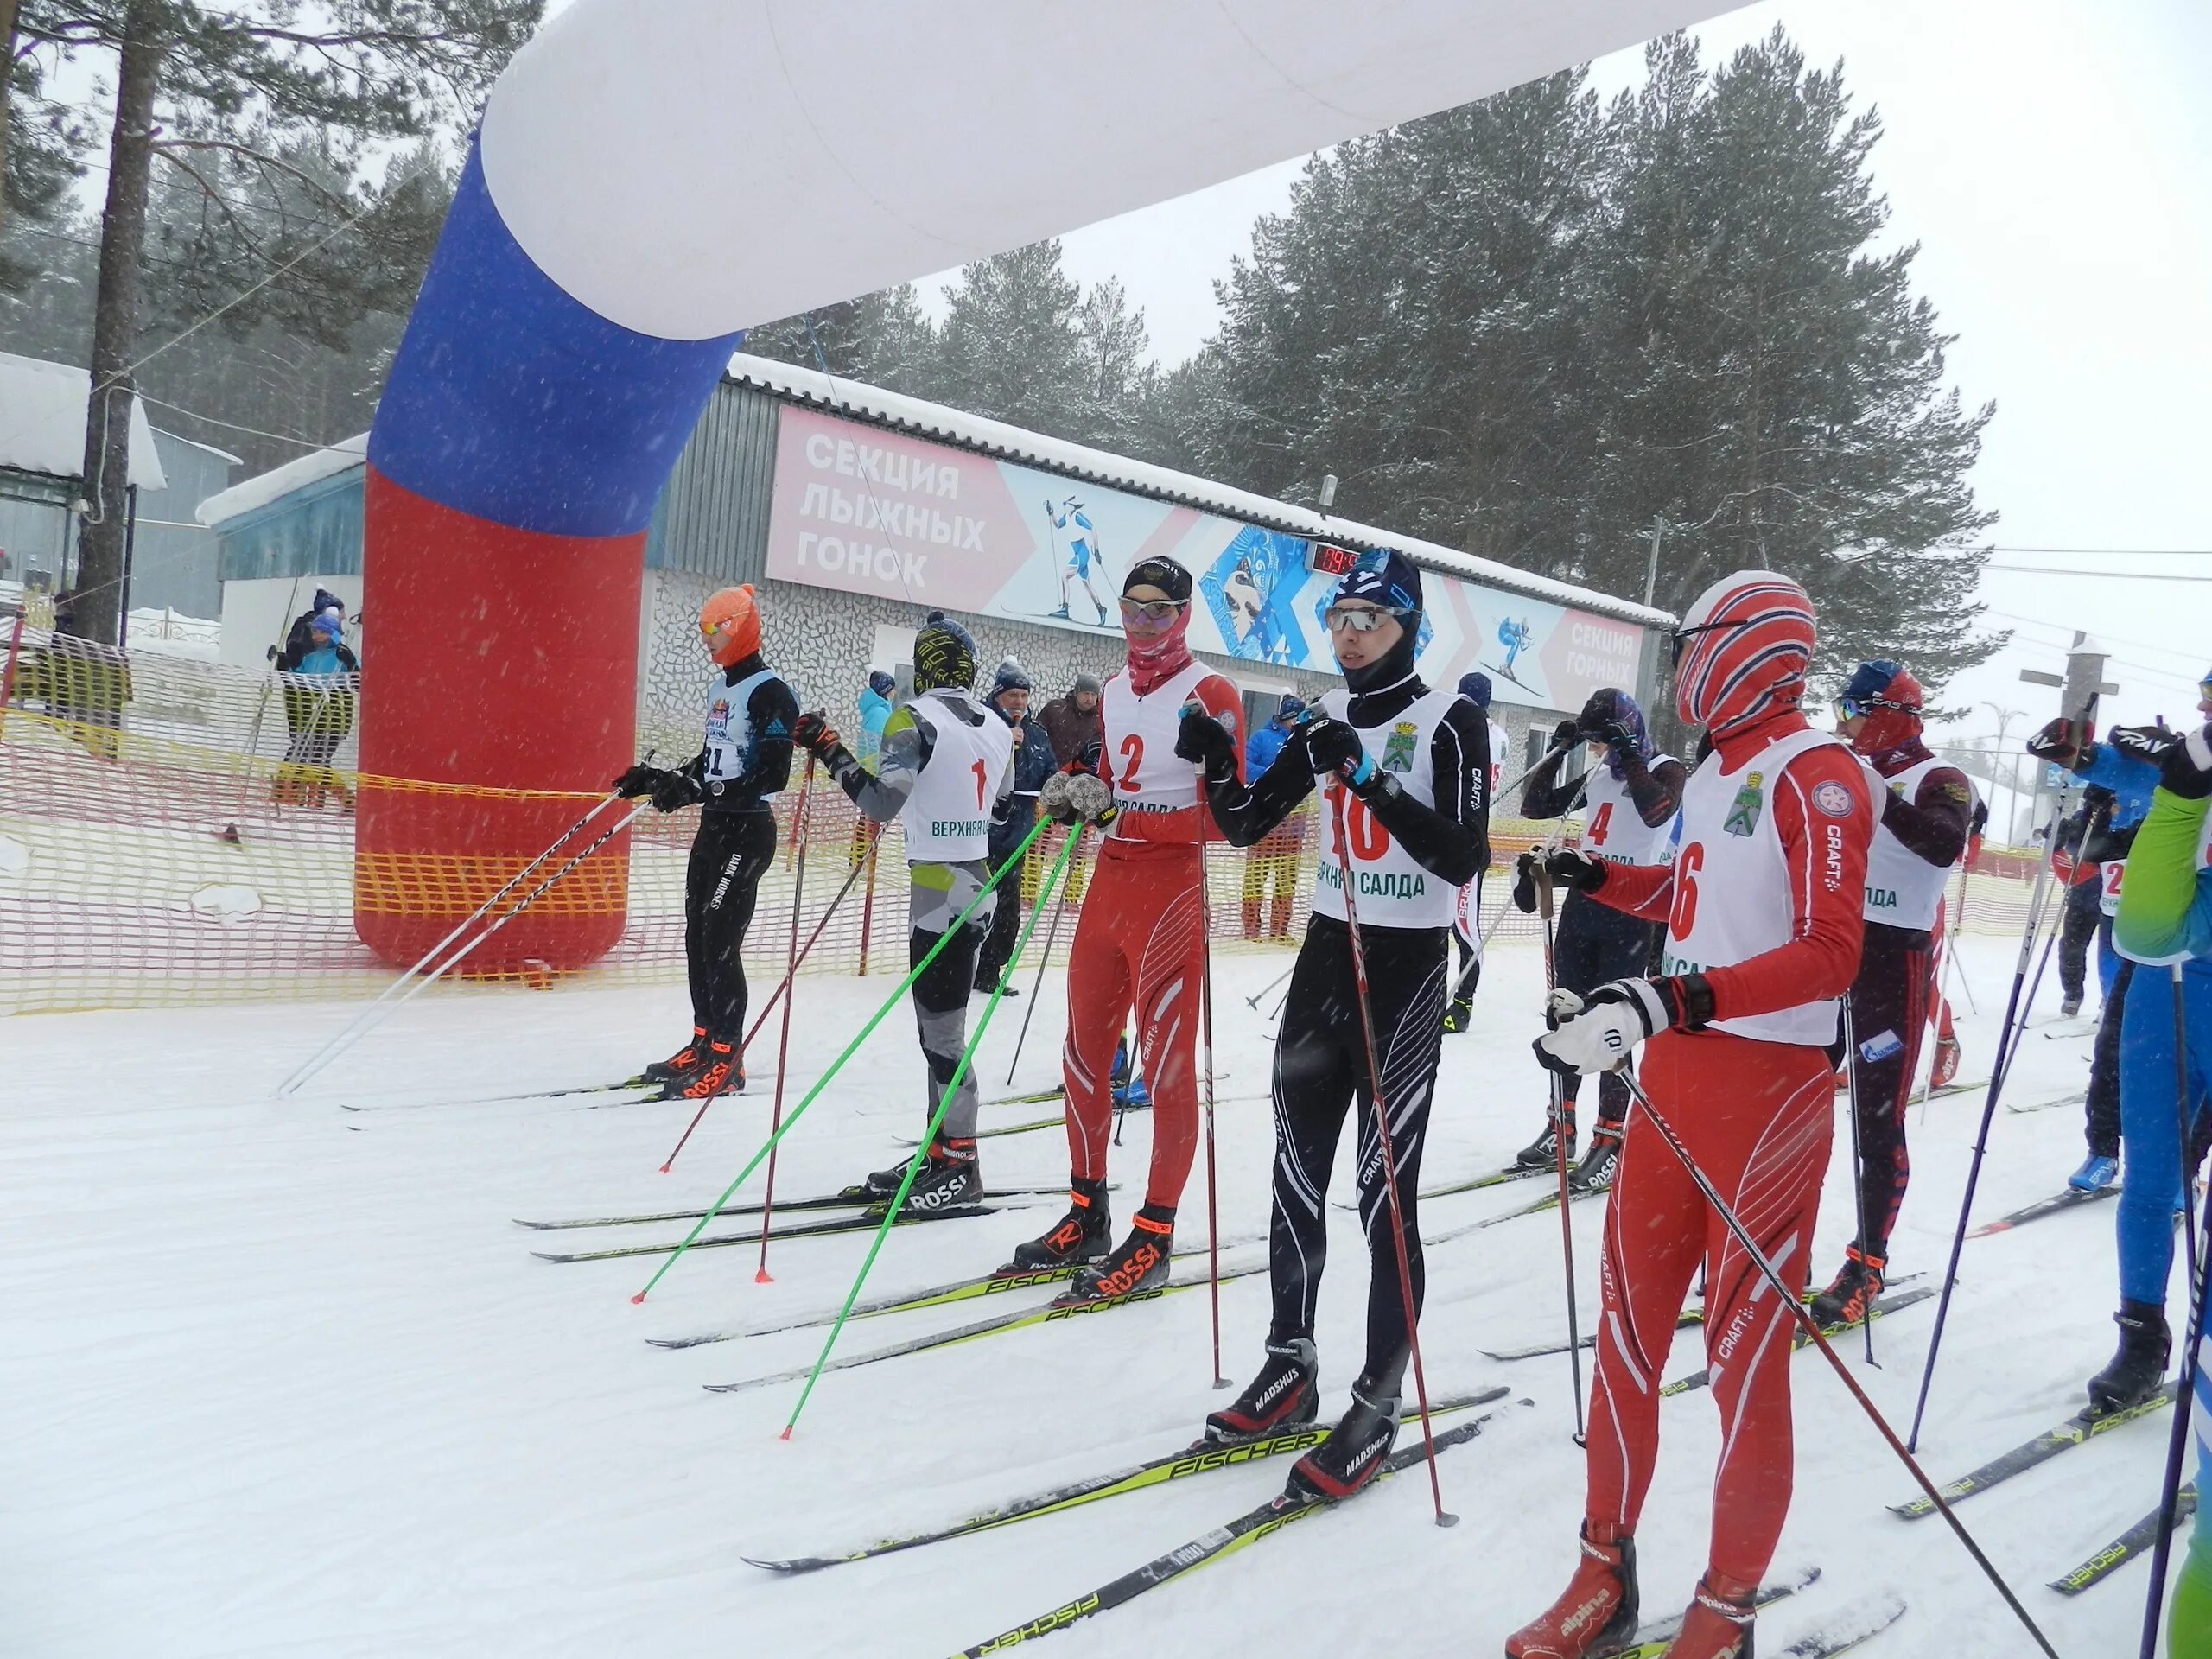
(1077, 540)
(1515, 637)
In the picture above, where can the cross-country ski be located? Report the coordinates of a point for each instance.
(2077, 1430)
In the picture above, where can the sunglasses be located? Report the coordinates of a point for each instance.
(1683, 636)
(1158, 612)
(1362, 618)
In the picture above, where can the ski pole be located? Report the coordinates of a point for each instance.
(1051, 937)
(897, 1202)
(1543, 884)
(376, 1013)
(1337, 792)
(2191, 1357)
(714, 1209)
(760, 1276)
(1252, 1001)
(1542, 760)
(2007, 1039)
(783, 988)
(1205, 1028)
(1806, 1323)
(874, 832)
(1858, 1149)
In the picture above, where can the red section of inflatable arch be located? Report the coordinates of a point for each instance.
(505, 659)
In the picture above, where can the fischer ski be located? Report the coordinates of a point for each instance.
(2075, 1430)
(2127, 1548)
(2074, 1099)
(960, 1290)
(635, 1091)
(1196, 1460)
(1036, 1097)
(853, 1197)
(867, 1221)
(1250, 1527)
(2071, 1198)
(1890, 1302)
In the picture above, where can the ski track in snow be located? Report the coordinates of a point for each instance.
(286, 1380)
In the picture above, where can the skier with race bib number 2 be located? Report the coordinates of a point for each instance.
(1739, 1036)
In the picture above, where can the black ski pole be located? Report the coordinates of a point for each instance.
(1858, 1150)
(2008, 1036)
(2177, 1440)
(1788, 1297)
(1543, 883)
(1051, 937)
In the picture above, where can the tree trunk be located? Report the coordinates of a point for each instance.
(115, 328)
(8, 38)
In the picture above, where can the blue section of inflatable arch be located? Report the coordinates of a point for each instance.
(512, 401)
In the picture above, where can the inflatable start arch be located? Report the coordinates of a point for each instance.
(652, 176)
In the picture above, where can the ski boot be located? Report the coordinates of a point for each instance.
(1082, 1235)
(1132, 1096)
(1542, 1152)
(1715, 1627)
(948, 1179)
(718, 1072)
(1852, 1291)
(683, 1060)
(2069, 1009)
(1946, 1065)
(1102, 613)
(2139, 1366)
(1598, 1612)
(1285, 1395)
(1461, 1015)
(2096, 1174)
(1595, 1172)
(1137, 1263)
(1118, 1079)
(1062, 613)
(1354, 1451)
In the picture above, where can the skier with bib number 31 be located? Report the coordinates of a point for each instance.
(1739, 1036)
(1416, 763)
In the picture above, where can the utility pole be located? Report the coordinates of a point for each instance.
(1656, 534)
(2002, 768)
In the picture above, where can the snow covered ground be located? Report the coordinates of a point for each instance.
(286, 1379)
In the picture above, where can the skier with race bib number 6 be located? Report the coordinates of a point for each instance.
(1739, 1038)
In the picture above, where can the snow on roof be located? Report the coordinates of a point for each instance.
(951, 425)
(42, 421)
(219, 454)
(313, 468)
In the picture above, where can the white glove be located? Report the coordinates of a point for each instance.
(1562, 1005)
(1602, 1035)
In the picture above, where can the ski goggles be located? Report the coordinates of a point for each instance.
(1854, 707)
(2204, 690)
(1157, 612)
(1362, 619)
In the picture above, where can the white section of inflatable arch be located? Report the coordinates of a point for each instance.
(685, 168)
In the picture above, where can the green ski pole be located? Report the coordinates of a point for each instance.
(914, 1163)
(799, 1111)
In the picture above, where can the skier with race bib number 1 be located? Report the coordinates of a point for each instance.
(1761, 907)
(946, 770)
(1140, 938)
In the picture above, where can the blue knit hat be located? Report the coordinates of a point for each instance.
(1475, 687)
(1383, 576)
(326, 622)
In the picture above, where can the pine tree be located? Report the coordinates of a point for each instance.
(280, 100)
(1010, 349)
(881, 338)
(1119, 378)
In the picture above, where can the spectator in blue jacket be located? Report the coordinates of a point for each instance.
(1271, 862)
(876, 700)
(1032, 764)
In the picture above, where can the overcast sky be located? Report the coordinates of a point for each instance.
(2054, 161)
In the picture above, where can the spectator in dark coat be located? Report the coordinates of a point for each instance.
(319, 695)
(1034, 762)
(301, 640)
(1074, 722)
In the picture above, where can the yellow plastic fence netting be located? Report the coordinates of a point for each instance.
(174, 830)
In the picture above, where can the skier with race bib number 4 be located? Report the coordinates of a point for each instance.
(1416, 762)
(746, 761)
(1739, 1035)
(1140, 938)
(946, 770)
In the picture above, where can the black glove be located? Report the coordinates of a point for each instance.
(2184, 760)
(1568, 869)
(1331, 746)
(813, 732)
(1524, 883)
(674, 791)
(1619, 737)
(1566, 734)
(2055, 742)
(1203, 738)
(640, 779)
